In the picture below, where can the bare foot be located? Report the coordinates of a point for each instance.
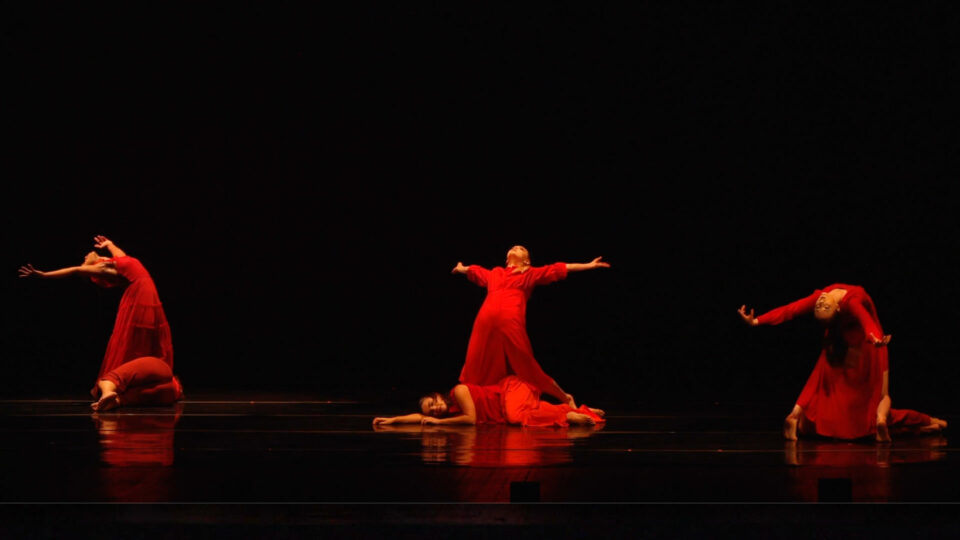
(936, 425)
(883, 433)
(790, 427)
(109, 400)
(580, 418)
(598, 412)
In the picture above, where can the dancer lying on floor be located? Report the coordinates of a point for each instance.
(846, 396)
(511, 401)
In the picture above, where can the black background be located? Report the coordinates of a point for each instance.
(300, 179)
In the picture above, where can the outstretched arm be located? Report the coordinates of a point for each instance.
(596, 263)
(101, 242)
(782, 313)
(98, 269)
(414, 418)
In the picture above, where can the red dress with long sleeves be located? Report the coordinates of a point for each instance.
(841, 399)
(514, 401)
(499, 345)
(141, 327)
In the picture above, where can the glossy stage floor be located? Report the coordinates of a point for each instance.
(289, 462)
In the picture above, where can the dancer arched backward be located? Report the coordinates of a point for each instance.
(141, 328)
(509, 401)
(499, 345)
(847, 395)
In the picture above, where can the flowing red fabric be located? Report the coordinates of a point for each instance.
(514, 401)
(841, 400)
(499, 345)
(141, 327)
(145, 381)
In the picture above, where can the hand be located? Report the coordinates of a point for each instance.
(571, 402)
(429, 420)
(880, 342)
(101, 241)
(29, 270)
(380, 421)
(597, 263)
(747, 317)
(459, 268)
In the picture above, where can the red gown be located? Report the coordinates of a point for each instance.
(141, 327)
(513, 401)
(841, 400)
(499, 345)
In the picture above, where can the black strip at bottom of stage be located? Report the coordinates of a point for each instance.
(241, 466)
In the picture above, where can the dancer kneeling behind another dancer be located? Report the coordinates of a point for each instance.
(510, 401)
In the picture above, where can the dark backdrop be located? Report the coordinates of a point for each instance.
(300, 179)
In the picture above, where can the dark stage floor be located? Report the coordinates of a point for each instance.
(213, 461)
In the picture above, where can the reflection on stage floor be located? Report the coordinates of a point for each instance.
(308, 451)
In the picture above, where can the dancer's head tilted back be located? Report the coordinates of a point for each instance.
(91, 258)
(826, 307)
(435, 405)
(518, 256)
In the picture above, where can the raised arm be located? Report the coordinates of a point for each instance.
(98, 269)
(101, 242)
(596, 263)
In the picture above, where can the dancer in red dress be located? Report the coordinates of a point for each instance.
(143, 381)
(141, 328)
(499, 345)
(847, 395)
(509, 401)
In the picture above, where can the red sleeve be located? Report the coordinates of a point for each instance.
(543, 275)
(869, 325)
(478, 274)
(789, 311)
(124, 266)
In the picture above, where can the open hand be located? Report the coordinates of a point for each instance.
(381, 421)
(747, 317)
(881, 342)
(101, 241)
(597, 263)
(459, 268)
(29, 271)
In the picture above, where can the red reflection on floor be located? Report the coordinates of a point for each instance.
(864, 468)
(495, 445)
(136, 440)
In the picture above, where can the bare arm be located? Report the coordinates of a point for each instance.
(101, 242)
(596, 263)
(469, 416)
(98, 269)
(414, 418)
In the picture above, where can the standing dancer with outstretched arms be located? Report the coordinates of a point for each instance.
(499, 345)
(140, 331)
(847, 395)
